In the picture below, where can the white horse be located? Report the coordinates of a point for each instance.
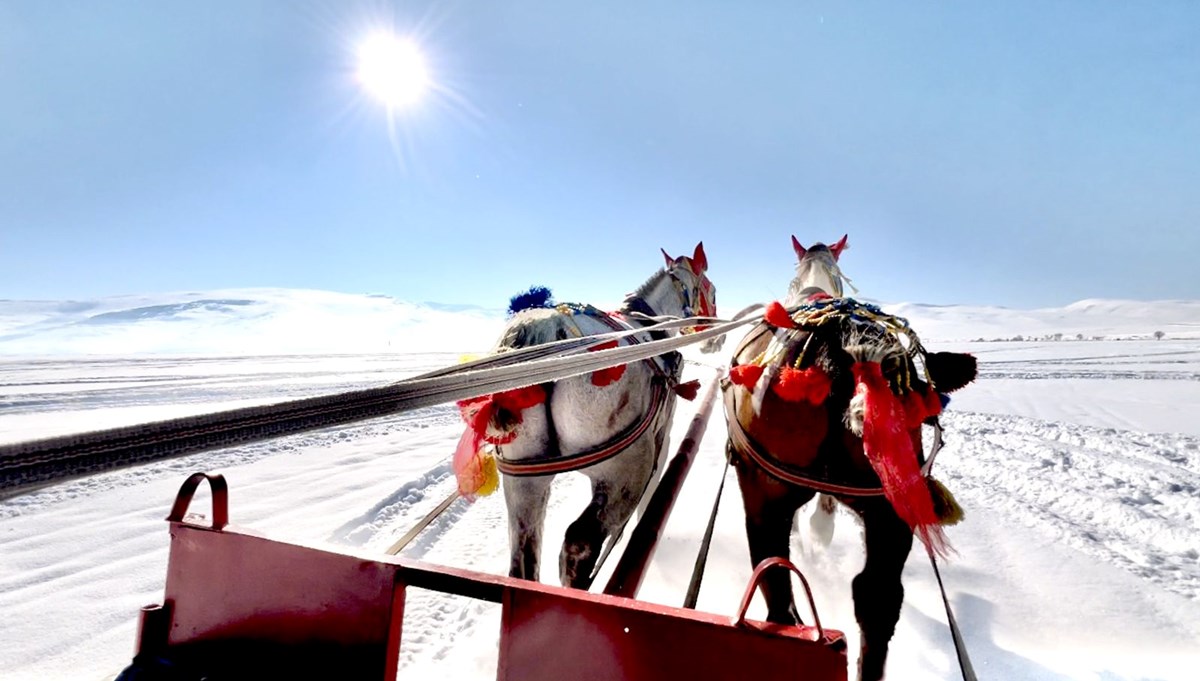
(611, 425)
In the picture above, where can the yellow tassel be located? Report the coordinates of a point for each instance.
(948, 509)
(463, 359)
(490, 476)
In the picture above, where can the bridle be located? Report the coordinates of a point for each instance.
(706, 294)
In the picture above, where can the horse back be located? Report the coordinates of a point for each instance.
(802, 435)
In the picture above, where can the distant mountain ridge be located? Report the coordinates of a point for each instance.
(242, 321)
(268, 321)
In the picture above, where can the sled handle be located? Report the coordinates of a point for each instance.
(220, 498)
(755, 578)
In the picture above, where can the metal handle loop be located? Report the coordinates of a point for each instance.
(220, 498)
(755, 578)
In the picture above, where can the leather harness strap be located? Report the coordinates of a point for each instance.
(555, 464)
(745, 445)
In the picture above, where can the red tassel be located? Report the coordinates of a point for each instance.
(933, 403)
(811, 384)
(777, 316)
(914, 409)
(477, 412)
(745, 375)
(603, 377)
(889, 447)
(689, 390)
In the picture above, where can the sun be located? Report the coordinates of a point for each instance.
(392, 70)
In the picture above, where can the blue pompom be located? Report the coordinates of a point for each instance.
(535, 297)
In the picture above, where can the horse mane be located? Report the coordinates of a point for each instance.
(644, 289)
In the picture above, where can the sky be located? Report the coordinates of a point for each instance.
(1022, 154)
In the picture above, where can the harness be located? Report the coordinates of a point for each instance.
(664, 380)
(707, 306)
(817, 310)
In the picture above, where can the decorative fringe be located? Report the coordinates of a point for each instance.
(811, 384)
(888, 446)
(777, 316)
(746, 375)
(948, 510)
(474, 468)
(689, 390)
(603, 377)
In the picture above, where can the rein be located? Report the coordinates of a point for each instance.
(663, 381)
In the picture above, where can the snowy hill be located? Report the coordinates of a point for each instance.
(1109, 319)
(241, 322)
(298, 321)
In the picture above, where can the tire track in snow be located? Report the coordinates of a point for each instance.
(1125, 497)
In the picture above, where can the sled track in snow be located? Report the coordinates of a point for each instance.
(416, 421)
(1129, 498)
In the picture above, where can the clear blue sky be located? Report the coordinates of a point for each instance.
(1012, 153)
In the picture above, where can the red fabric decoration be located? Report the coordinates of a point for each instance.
(777, 316)
(477, 412)
(603, 377)
(745, 375)
(688, 390)
(811, 384)
(889, 447)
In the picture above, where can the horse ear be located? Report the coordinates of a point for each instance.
(669, 259)
(839, 247)
(800, 250)
(699, 259)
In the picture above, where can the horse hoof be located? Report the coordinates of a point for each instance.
(576, 564)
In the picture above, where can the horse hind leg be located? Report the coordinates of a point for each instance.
(618, 485)
(770, 512)
(878, 591)
(526, 498)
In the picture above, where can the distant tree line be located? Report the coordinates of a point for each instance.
(1019, 338)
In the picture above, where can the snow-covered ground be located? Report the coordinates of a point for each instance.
(1078, 462)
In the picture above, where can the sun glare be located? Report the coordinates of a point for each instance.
(392, 70)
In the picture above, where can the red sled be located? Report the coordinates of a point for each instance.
(239, 605)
